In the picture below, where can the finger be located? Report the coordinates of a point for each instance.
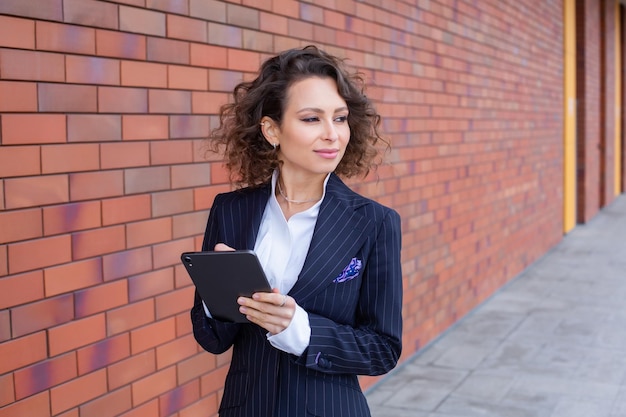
(222, 247)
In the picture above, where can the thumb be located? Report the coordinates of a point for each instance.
(221, 247)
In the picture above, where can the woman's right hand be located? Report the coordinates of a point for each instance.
(222, 247)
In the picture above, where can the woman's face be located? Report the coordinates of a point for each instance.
(314, 132)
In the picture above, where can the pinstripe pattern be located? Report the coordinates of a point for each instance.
(356, 325)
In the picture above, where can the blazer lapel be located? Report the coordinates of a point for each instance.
(339, 233)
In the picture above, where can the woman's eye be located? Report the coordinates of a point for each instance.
(341, 119)
(310, 119)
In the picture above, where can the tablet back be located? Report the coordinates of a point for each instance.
(221, 277)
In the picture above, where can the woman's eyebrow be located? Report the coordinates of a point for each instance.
(320, 111)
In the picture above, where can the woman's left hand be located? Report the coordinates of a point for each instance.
(271, 310)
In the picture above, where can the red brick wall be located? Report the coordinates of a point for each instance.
(104, 105)
(607, 151)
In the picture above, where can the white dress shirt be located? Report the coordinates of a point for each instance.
(282, 246)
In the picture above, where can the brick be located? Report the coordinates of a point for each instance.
(5, 332)
(145, 127)
(239, 60)
(174, 302)
(190, 224)
(124, 155)
(92, 70)
(75, 334)
(38, 9)
(37, 405)
(20, 96)
(168, 152)
(21, 289)
(150, 284)
(148, 232)
(77, 391)
(73, 276)
(17, 161)
(178, 398)
(175, 351)
(94, 128)
(169, 101)
(173, 6)
(109, 405)
(144, 74)
(126, 263)
(172, 202)
(122, 100)
(193, 367)
(125, 209)
(130, 317)
(50, 251)
(71, 217)
(41, 315)
(211, 381)
(209, 56)
(69, 158)
(45, 375)
(104, 353)
(4, 262)
(90, 13)
(225, 35)
(189, 126)
(168, 50)
(142, 180)
(20, 225)
(219, 174)
(269, 22)
(67, 98)
(203, 197)
(31, 65)
(207, 102)
(212, 10)
(142, 21)
(7, 390)
(101, 298)
(183, 325)
(150, 408)
(257, 41)
(206, 405)
(65, 38)
(131, 369)
(120, 44)
(179, 27)
(187, 78)
(191, 175)
(225, 81)
(23, 351)
(18, 129)
(35, 191)
(181, 277)
(168, 254)
(242, 16)
(152, 335)
(94, 185)
(17, 33)
(154, 385)
(98, 242)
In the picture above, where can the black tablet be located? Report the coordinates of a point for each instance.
(221, 277)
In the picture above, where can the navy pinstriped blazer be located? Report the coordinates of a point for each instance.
(355, 313)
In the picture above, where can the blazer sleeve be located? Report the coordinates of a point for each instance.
(213, 335)
(373, 345)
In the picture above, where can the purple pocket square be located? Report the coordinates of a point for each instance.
(349, 272)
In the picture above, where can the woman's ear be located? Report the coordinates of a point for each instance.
(268, 128)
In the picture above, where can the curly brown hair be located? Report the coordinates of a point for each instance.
(250, 158)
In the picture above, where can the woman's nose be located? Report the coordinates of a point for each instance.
(331, 131)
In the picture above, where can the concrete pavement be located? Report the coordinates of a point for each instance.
(551, 343)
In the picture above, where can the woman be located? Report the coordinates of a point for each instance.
(331, 255)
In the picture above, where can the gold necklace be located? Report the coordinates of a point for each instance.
(282, 194)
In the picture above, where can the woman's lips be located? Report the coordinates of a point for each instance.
(327, 153)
